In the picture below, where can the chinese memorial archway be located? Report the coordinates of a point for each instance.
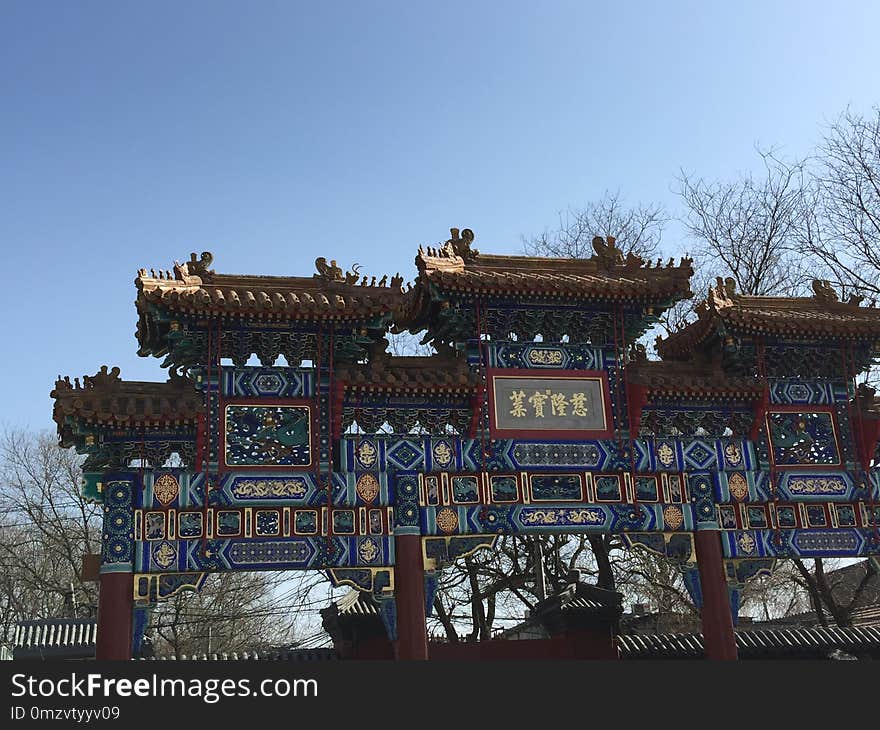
(746, 443)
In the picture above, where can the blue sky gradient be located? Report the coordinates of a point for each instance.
(132, 133)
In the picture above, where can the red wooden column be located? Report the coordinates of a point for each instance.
(116, 581)
(718, 635)
(115, 606)
(409, 590)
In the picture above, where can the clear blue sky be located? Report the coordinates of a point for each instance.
(132, 133)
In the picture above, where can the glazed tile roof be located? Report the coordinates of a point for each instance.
(669, 378)
(412, 374)
(104, 398)
(318, 654)
(330, 294)
(819, 316)
(607, 276)
(812, 643)
(356, 603)
(58, 638)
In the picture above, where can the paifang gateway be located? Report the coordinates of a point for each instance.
(747, 442)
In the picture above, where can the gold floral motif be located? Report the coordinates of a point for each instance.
(584, 517)
(542, 517)
(447, 520)
(815, 485)
(166, 488)
(368, 550)
(746, 543)
(733, 454)
(673, 517)
(366, 453)
(545, 357)
(367, 487)
(562, 517)
(666, 454)
(164, 554)
(269, 488)
(738, 486)
(442, 454)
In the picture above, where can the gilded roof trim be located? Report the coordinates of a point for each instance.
(821, 315)
(104, 398)
(608, 275)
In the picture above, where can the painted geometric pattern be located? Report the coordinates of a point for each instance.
(247, 488)
(163, 489)
(797, 392)
(276, 435)
(799, 543)
(790, 516)
(699, 454)
(820, 486)
(535, 355)
(156, 587)
(153, 526)
(702, 490)
(555, 518)
(118, 532)
(388, 453)
(180, 490)
(384, 453)
(487, 488)
(267, 382)
(176, 556)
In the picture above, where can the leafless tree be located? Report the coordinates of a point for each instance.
(492, 589)
(235, 612)
(46, 526)
(831, 595)
(748, 228)
(843, 227)
(638, 229)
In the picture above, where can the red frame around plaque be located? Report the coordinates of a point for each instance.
(551, 434)
(298, 402)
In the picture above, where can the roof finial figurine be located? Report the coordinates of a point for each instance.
(352, 276)
(194, 267)
(855, 299)
(461, 244)
(330, 272)
(823, 291)
(607, 252)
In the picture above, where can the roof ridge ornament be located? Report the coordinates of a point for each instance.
(609, 255)
(328, 272)
(195, 267)
(460, 244)
(102, 378)
(723, 293)
(823, 291)
(332, 272)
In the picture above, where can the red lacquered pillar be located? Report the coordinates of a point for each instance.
(409, 589)
(116, 581)
(719, 638)
(115, 606)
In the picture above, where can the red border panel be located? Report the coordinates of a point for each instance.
(549, 434)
